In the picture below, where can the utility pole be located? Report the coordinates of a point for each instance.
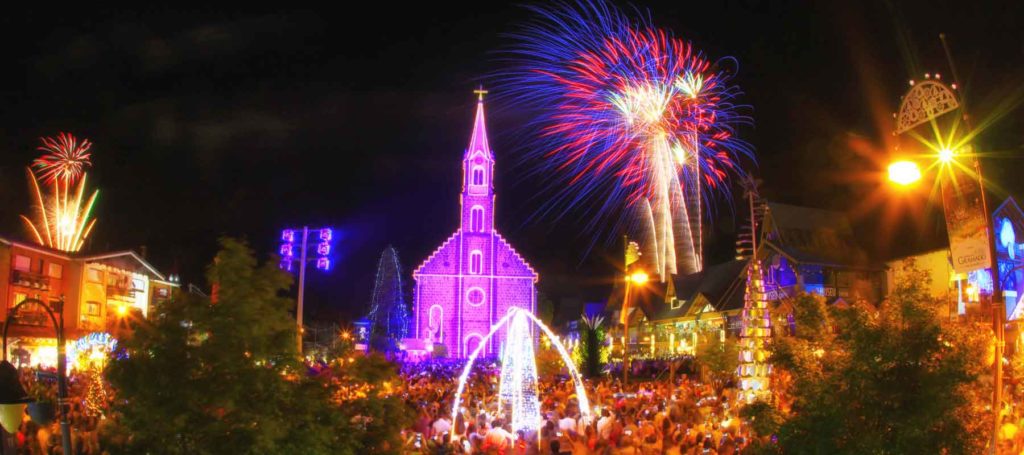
(302, 286)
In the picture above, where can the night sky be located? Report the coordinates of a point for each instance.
(216, 122)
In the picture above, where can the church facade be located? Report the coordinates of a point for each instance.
(475, 277)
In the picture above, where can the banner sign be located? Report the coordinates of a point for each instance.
(965, 222)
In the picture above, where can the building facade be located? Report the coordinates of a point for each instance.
(99, 293)
(472, 280)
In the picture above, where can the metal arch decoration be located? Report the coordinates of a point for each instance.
(925, 101)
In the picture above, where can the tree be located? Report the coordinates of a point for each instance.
(592, 352)
(891, 380)
(202, 377)
(719, 358)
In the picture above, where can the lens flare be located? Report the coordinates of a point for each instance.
(634, 126)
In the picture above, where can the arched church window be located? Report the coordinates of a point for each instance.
(476, 262)
(476, 219)
(478, 176)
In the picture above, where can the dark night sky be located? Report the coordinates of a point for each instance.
(216, 122)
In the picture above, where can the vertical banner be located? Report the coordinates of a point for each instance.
(965, 222)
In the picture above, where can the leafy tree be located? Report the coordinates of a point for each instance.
(592, 352)
(891, 380)
(223, 376)
(720, 359)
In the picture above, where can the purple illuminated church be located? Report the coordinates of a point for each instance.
(475, 276)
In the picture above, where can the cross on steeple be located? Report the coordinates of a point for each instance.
(480, 92)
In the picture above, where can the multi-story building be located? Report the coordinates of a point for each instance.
(100, 293)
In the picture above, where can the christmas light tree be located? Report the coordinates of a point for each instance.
(389, 317)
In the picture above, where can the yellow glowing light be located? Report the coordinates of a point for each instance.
(946, 155)
(639, 277)
(904, 172)
(122, 309)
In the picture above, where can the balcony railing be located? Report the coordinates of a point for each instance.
(30, 280)
(122, 290)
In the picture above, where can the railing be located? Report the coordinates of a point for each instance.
(30, 280)
(122, 290)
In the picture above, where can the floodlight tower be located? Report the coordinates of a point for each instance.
(289, 244)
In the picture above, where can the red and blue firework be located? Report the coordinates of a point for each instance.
(627, 113)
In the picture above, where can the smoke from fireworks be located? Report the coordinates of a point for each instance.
(629, 115)
(62, 219)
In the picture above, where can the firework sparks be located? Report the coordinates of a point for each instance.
(629, 115)
(65, 158)
(62, 219)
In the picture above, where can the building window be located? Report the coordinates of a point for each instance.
(476, 262)
(55, 271)
(476, 217)
(475, 297)
(92, 308)
(22, 263)
(18, 298)
(478, 176)
(93, 275)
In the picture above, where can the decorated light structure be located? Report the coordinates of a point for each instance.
(754, 369)
(295, 245)
(517, 392)
(523, 359)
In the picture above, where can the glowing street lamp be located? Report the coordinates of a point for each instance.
(946, 155)
(904, 173)
(639, 277)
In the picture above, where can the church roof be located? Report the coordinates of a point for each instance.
(478, 140)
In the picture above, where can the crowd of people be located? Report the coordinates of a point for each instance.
(652, 413)
(88, 415)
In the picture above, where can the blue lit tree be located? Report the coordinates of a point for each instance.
(389, 316)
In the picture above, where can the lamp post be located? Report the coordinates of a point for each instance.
(638, 277)
(10, 394)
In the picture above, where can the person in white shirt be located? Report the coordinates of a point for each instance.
(567, 423)
(604, 425)
(441, 427)
(497, 439)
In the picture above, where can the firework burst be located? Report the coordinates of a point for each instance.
(62, 216)
(65, 158)
(632, 117)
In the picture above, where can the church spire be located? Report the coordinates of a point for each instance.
(478, 141)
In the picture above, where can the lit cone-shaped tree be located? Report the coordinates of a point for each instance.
(754, 368)
(389, 317)
(518, 389)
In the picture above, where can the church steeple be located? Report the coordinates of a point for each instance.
(478, 176)
(478, 141)
(478, 162)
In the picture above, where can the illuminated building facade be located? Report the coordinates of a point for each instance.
(100, 292)
(472, 280)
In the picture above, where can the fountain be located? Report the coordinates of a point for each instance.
(517, 392)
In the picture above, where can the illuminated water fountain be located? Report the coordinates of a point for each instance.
(517, 392)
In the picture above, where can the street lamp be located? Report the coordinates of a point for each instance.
(638, 278)
(904, 173)
(11, 391)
